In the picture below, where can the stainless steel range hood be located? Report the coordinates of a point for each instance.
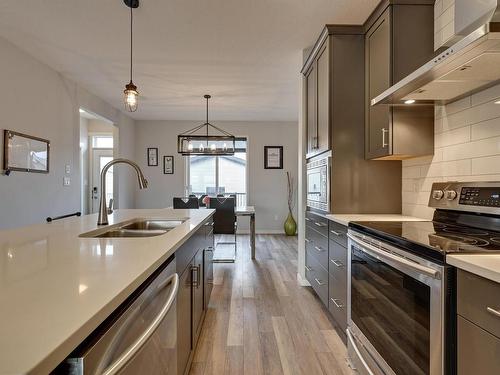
(470, 65)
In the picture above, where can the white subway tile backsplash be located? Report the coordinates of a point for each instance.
(474, 149)
(467, 148)
(486, 165)
(486, 129)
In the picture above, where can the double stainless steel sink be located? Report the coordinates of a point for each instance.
(135, 228)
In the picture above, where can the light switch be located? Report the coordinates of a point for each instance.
(67, 168)
(66, 181)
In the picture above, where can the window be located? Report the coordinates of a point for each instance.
(224, 174)
(102, 141)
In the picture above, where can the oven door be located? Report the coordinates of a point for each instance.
(396, 312)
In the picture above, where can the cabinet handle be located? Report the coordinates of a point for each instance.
(307, 219)
(307, 240)
(337, 263)
(319, 249)
(384, 142)
(337, 303)
(321, 225)
(336, 233)
(195, 282)
(309, 269)
(494, 312)
(320, 283)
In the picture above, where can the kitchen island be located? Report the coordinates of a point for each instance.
(56, 287)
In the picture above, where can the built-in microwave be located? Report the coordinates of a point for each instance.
(318, 182)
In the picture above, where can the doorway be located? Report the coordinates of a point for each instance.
(98, 140)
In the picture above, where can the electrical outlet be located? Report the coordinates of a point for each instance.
(66, 181)
(67, 169)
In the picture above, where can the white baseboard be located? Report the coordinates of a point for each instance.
(301, 281)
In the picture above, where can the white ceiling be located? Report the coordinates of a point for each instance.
(246, 53)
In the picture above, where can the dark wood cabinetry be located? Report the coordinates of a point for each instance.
(326, 265)
(399, 39)
(196, 272)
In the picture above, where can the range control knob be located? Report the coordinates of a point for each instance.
(450, 194)
(437, 194)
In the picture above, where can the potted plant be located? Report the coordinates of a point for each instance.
(290, 225)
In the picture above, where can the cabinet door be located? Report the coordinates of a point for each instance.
(323, 99)
(312, 126)
(198, 305)
(378, 122)
(184, 346)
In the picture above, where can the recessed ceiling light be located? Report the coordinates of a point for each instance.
(410, 101)
(497, 102)
(81, 110)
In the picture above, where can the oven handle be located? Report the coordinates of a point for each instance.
(377, 253)
(358, 353)
(116, 366)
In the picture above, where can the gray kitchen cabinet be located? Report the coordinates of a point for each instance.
(478, 325)
(317, 108)
(326, 265)
(398, 40)
(195, 271)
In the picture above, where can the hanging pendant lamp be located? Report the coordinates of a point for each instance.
(131, 95)
(206, 139)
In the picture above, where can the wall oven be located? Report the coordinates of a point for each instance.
(318, 182)
(398, 318)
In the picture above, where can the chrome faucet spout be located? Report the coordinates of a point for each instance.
(103, 210)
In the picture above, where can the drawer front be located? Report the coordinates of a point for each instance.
(478, 351)
(317, 245)
(317, 222)
(338, 233)
(317, 277)
(337, 301)
(337, 264)
(478, 300)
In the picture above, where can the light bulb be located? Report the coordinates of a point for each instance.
(410, 101)
(131, 97)
(224, 147)
(201, 147)
(212, 147)
(190, 146)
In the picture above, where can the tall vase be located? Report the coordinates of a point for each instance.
(290, 225)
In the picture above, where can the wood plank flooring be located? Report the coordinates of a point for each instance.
(260, 321)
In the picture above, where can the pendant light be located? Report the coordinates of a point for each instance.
(206, 139)
(131, 95)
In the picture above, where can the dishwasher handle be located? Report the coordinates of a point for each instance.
(129, 353)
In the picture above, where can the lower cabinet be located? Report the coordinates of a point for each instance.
(195, 271)
(326, 265)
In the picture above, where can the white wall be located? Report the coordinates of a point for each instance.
(266, 188)
(467, 148)
(37, 100)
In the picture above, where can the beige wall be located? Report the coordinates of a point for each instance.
(37, 100)
(467, 148)
(266, 188)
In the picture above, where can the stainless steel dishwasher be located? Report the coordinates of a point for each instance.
(139, 338)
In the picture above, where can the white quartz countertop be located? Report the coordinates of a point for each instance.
(56, 288)
(484, 265)
(344, 219)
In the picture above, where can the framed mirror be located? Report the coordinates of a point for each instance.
(25, 153)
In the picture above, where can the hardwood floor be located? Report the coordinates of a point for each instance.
(260, 321)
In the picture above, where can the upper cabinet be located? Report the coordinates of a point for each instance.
(398, 40)
(317, 78)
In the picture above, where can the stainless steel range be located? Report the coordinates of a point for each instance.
(402, 315)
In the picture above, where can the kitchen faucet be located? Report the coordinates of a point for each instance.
(103, 210)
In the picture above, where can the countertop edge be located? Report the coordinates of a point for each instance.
(71, 343)
(470, 264)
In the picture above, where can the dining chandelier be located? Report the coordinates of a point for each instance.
(206, 139)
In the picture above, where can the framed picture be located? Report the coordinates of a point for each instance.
(273, 157)
(25, 153)
(168, 165)
(152, 157)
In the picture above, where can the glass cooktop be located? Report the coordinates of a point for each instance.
(431, 238)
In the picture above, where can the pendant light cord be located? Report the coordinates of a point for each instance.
(131, 45)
